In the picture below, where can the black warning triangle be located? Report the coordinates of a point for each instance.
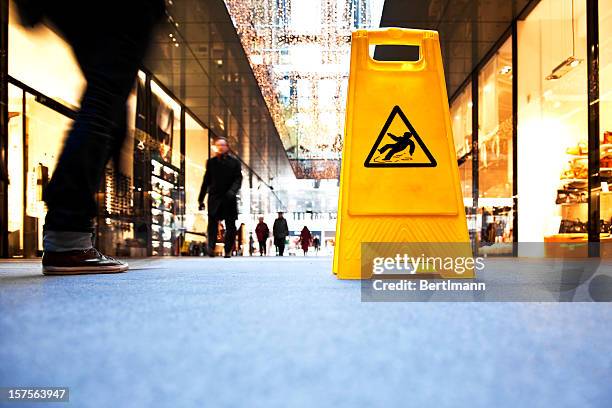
(399, 150)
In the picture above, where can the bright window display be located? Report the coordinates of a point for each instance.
(495, 153)
(15, 171)
(461, 119)
(197, 151)
(552, 123)
(45, 133)
(42, 60)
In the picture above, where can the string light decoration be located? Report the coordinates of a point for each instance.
(299, 51)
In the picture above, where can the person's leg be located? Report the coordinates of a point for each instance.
(390, 154)
(109, 58)
(281, 247)
(230, 235)
(262, 248)
(212, 231)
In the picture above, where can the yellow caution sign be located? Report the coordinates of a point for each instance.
(399, 177)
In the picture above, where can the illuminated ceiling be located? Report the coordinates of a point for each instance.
(299, 52)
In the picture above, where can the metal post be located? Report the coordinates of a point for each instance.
(594, 184)
(4, 11)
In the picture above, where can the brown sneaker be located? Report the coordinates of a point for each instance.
(88, 261)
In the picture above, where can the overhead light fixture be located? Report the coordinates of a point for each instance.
(571, 62)
(505, 70)
(563, 68)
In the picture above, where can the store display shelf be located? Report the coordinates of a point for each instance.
(157, 193)
(162, 181)
(156, 222)
(573, 180)
(162, 210)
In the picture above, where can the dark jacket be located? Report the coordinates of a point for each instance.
(280, 229)
(222, 181)
(262, 231)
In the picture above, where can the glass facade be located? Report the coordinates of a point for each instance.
(533, 131)
(495, 175)
(552, 122)
(461, 117)
(16, 189)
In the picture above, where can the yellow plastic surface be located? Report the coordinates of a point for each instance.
(399, 177)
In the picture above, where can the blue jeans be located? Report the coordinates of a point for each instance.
(109, 52)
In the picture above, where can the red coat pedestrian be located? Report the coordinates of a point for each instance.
(305, 238)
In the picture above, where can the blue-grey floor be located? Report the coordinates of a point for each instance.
(283, 332)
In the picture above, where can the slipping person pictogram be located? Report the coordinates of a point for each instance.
(401, 143)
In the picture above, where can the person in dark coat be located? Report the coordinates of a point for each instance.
(109, 40)
(240, 236)
(263, 232)
(280, 230)
(316, 243)
(251, 244)
(221, 182)
(305, 238)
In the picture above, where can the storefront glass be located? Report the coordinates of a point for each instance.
(115, 227)
(164, 152)
(495, 153)
(605, 113)
(552, 123)
(46, 130)
(197, 150)
(15, 171)
(42, 60)
(461, 117)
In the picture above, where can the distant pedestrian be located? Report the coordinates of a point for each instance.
(263, 232)
(221, 182)
(240, 239)
(305, 238)
(251, 244)
(280, 230)
(316, 243)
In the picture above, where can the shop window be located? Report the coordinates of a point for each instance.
(552, 120)
(115, 227)
(166, 196)
(44, 61)
(495, 153)
(461, 118)
(46, 131)
(605, 115)
(197, 151)
(15, 171)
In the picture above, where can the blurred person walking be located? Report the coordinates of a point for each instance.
(305, 238)
(109, 40)
(316, 243)
(240, 240)
(262, 232)
(251, 244)
(280, 230)
(221, 183)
